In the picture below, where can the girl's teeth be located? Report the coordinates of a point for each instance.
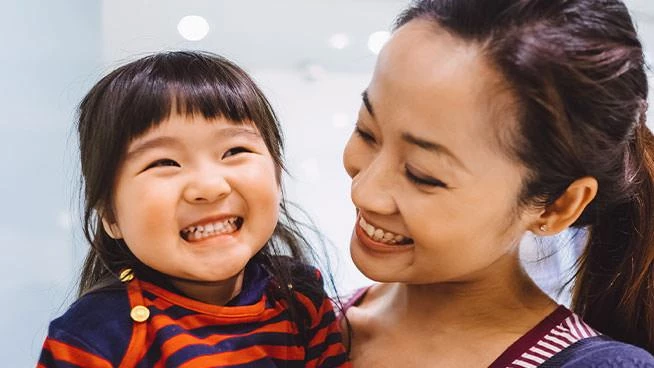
(200, 232)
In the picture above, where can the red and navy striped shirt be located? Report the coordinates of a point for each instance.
(253, 330)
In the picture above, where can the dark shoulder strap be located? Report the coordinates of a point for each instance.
(572, 351)
(600, 351)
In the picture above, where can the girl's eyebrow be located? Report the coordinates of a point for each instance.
(147, 144)
(171, 141)
(234, 131)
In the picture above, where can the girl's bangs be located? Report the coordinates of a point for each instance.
(188, 85)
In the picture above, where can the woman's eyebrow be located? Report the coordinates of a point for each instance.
(433, 147)
(420, 142)
(366, 102)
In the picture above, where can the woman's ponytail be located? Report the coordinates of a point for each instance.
(614, 290)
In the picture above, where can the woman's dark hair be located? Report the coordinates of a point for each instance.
(137, 97)
(576, 72)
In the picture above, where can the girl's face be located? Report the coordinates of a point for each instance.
(436, 198)
(196, 199)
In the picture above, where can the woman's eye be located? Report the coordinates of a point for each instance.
(425, 181)
(162, 163)
(367, 137)
(235, 151)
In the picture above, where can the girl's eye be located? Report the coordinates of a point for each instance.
(162, 163)
(235, 151)
(424, 181)
(367, 137)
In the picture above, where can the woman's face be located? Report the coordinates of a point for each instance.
(436, 198)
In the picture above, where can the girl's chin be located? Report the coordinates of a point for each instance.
(209, 277)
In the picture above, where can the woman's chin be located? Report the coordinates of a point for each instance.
(379, 269)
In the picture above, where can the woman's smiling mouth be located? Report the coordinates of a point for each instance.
(381, 235)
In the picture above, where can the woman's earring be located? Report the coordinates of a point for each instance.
(544, 228)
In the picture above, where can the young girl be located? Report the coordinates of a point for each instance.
(190, 263)
(485, 120)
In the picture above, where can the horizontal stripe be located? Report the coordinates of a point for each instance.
(182, 340)
(203, 326)
(71, 354)
(339, 360)
(243, 356)
(334, 350)
(334, 338)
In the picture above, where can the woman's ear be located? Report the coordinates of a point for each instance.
(567, 208)
(111, 228)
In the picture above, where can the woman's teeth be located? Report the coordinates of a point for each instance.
(383, 236)
(211, 229)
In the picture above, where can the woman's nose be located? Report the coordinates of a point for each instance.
(372, 188)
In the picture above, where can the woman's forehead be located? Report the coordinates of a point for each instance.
(424, 66)
(438, 87)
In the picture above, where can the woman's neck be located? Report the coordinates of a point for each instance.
(495, 299)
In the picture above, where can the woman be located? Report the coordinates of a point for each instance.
(485, 120)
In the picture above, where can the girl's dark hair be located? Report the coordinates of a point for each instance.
(137, 97)
(576, 72)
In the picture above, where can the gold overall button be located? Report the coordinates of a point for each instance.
(140, 313)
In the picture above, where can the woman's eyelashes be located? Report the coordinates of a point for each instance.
(423, 180)
(413, 177)
(365, 136)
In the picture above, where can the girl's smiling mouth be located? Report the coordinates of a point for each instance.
(212, 228)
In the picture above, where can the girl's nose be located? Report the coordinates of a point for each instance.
(207, 188)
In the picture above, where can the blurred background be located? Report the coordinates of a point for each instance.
(311, 57)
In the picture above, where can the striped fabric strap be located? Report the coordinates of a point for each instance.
(571, 330)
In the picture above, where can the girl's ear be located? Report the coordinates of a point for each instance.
(567, 208)
(111, 228)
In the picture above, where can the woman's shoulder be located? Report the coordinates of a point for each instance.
(354, 298)
(364, 297)
(601, 351)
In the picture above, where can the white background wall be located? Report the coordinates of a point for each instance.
(54, 51)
